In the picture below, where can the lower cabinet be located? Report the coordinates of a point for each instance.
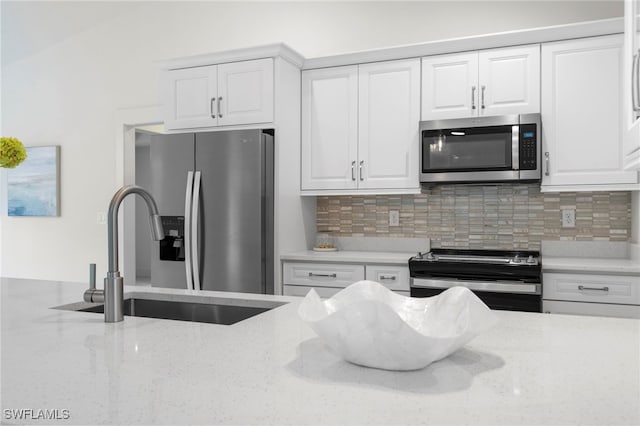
(329, 278)
(586, 294)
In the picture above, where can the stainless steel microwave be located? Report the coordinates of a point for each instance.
(482, 149)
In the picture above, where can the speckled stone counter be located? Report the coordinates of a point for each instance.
(349, 257)
(591, 257)
(271, 369)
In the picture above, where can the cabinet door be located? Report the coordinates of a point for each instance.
(631, 94)
(245, 92)
(190, 98)
(581, 120)
(509, 80)
(450, 86)
(389, 111)
(329, 128)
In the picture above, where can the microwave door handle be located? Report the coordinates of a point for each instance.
(515, 147)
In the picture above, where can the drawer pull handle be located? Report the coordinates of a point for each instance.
(388, 277)
(581, 287)
(311, 274)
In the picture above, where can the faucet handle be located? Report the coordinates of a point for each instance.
(92, 295)
(92, 276)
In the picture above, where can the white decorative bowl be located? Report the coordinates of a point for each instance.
(368, 324)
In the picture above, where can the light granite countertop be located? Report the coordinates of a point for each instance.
(389, 251)
(591, 257)
(271, 369)
(388, 258)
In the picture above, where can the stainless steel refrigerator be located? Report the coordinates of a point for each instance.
(214, 191)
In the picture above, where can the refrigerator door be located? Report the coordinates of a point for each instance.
(172, 157)
(235, 216)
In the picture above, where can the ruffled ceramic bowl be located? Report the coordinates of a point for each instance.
(367, 324)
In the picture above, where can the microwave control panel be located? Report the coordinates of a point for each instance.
(528, 147)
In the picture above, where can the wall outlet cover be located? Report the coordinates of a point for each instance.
(394, 217)
(568, 218)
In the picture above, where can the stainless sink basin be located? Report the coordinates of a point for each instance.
(186, 308)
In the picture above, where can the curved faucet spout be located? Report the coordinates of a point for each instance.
(157, 231)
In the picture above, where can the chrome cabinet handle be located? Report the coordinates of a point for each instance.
(482, 97)
(360, 171)
(213, 114)
(546, 163)
(311, 274)
(219, 110)
(388, 277)
(353, 170)
(581, 287)
(634, 82)
(473, 97)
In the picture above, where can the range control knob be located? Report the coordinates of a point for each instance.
(430, 256)
(530, 259)
(517, 259)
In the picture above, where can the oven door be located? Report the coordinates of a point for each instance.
(455, 153)
(499, 295)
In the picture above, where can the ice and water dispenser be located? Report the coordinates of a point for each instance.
(172, 246)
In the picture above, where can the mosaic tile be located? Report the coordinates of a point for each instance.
(498, 216)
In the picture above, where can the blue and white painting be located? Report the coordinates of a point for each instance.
(33, 186)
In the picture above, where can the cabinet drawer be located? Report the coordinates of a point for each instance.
(592, 309)
(300, 290)
(322, 274)
(618, 289)
(393, 277)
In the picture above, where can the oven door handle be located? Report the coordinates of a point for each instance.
(496, 286)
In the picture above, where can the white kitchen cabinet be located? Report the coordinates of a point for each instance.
(360, 127)
(388, 124)
(581, 127)
(330, 128)
(219, 95)
(587, 294)
(449, 86)
(329, 278)
(631, 87)
(482, 83)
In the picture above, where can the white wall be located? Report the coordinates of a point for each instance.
(69, 66)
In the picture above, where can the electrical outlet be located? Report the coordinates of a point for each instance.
(101, 218)
(568, 218)
(394, 218)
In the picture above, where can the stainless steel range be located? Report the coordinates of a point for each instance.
(505, 280)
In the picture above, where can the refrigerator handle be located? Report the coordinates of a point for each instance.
(187, 230)
(194, 231)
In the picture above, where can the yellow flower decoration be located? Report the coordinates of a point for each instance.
(12, 152)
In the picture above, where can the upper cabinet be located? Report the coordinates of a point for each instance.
(330, 128)
(631, 87)
(360, 128)
(488, 82)
(581, 120)
(219, 95)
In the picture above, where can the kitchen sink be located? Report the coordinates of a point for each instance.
(202, 309)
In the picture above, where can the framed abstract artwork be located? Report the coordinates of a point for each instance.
(33, 188)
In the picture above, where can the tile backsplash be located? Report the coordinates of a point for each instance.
(499, 216)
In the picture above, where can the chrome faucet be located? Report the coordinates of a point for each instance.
(113, 293)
